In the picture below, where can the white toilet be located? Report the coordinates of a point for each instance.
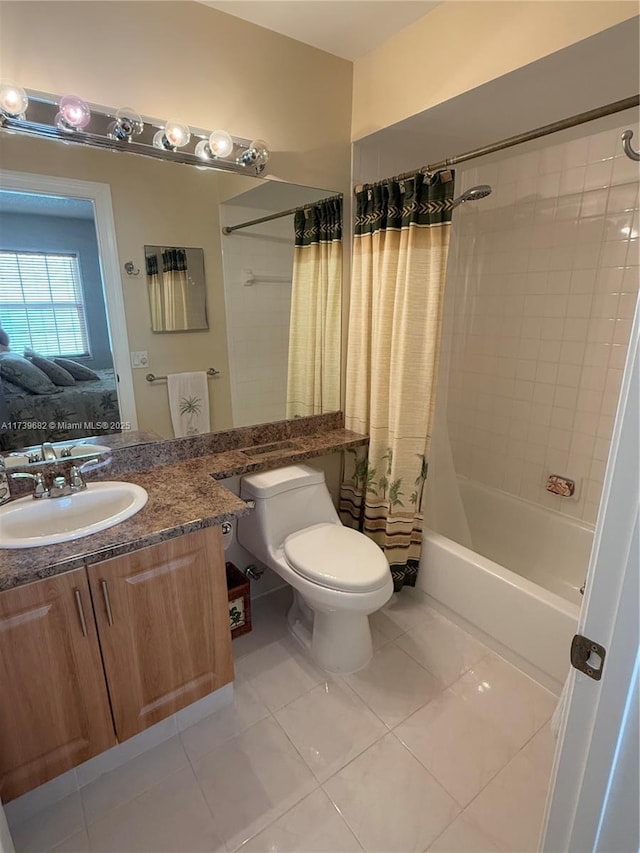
(339, 576)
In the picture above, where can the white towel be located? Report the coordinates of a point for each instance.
(189, 403)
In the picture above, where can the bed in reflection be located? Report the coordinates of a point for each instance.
(85, 409)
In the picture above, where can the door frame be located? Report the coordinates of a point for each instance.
(100, 196)
(588, 800)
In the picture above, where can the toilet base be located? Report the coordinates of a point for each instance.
(338, 641)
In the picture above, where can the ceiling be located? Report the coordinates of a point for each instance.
(45, 205)
(346, 28)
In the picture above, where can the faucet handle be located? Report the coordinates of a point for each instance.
(76, 480)
(39, 487)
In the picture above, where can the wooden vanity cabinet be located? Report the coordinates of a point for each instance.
(163, 621)
(127, 642)
(54, 709)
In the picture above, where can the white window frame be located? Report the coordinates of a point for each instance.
(80, 303)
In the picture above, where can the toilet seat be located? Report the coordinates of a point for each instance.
(337, 557)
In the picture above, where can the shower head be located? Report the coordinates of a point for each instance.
(473, 194)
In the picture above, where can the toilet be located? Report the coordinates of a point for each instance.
(339, 576)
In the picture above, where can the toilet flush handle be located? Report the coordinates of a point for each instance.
(251, 504)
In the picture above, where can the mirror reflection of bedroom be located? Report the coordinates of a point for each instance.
(57, 379)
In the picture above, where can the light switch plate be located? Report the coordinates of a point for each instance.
(140, 359)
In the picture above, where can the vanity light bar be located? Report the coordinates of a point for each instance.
(41, 118)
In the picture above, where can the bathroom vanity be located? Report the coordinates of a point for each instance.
(109, 650)
(105, 636)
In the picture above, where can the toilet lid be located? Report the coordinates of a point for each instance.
(337, 557)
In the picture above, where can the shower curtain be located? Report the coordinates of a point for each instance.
(155, 293)
(174, 289)
(313, 380)
(399, 263)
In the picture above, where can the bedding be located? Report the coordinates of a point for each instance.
(84, 409)
(19, 370)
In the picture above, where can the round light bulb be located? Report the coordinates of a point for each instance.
(129, 121)
(257, 154)
(13, 100)
(202, 150)
(220, 143)
(160, 140)
(177, 135)
(74, 113)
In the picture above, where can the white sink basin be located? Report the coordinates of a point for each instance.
(78, 451)
(28, 523)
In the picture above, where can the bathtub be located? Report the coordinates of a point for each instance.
(519, 586)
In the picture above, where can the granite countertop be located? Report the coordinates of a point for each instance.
(183, 497)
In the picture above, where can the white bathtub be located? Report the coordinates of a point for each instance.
(519, 586)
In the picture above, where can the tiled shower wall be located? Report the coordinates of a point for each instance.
(541, 289)
(258, 314)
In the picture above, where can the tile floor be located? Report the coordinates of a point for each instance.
(438, 745)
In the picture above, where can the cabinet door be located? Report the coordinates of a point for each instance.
(54, 709)
(163, 619)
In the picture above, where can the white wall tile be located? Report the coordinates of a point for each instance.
(541, 289)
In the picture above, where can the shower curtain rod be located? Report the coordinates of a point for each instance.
(509, 142)
(228, 229)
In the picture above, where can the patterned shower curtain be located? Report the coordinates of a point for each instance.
(175, 285)
(399, 263)
(313, 381)
(155, 293)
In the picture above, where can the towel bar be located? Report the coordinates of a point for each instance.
(151, 377)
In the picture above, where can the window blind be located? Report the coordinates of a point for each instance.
(41, 303)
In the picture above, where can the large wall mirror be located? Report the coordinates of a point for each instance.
(255, 305)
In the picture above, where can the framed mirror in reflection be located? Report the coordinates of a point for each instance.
(262, 316)
(177, 288)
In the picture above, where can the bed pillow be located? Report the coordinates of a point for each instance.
(10, 388)
(21, 371)
(77, 370)
(58, 375)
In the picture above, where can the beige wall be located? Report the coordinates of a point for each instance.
(187, 61)
(461, 45)
(154, 203)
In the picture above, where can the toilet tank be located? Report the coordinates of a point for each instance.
(286, 500)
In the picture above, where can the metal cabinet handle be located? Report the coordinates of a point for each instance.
(107, 602)
(83, 621)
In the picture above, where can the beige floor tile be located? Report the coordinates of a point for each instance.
(132, 779)
(509, 699)
(205, 735)
(383, 629)
(330, 726)
(510, 809)
(280, 673)
(458, 747)
(442, 647)
(541, 749)
(171, 817)
(393, 685)
(313, 826)
(77, 843)
(268, 621)
(50, 826)
(462, 836)
(391, 803)
(251, 780)
(406, 609)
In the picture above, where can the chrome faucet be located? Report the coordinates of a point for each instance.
(39, 488)
(48, 451)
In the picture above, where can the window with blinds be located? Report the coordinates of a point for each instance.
(41, 303)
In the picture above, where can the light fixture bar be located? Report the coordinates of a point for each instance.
(40, 121)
